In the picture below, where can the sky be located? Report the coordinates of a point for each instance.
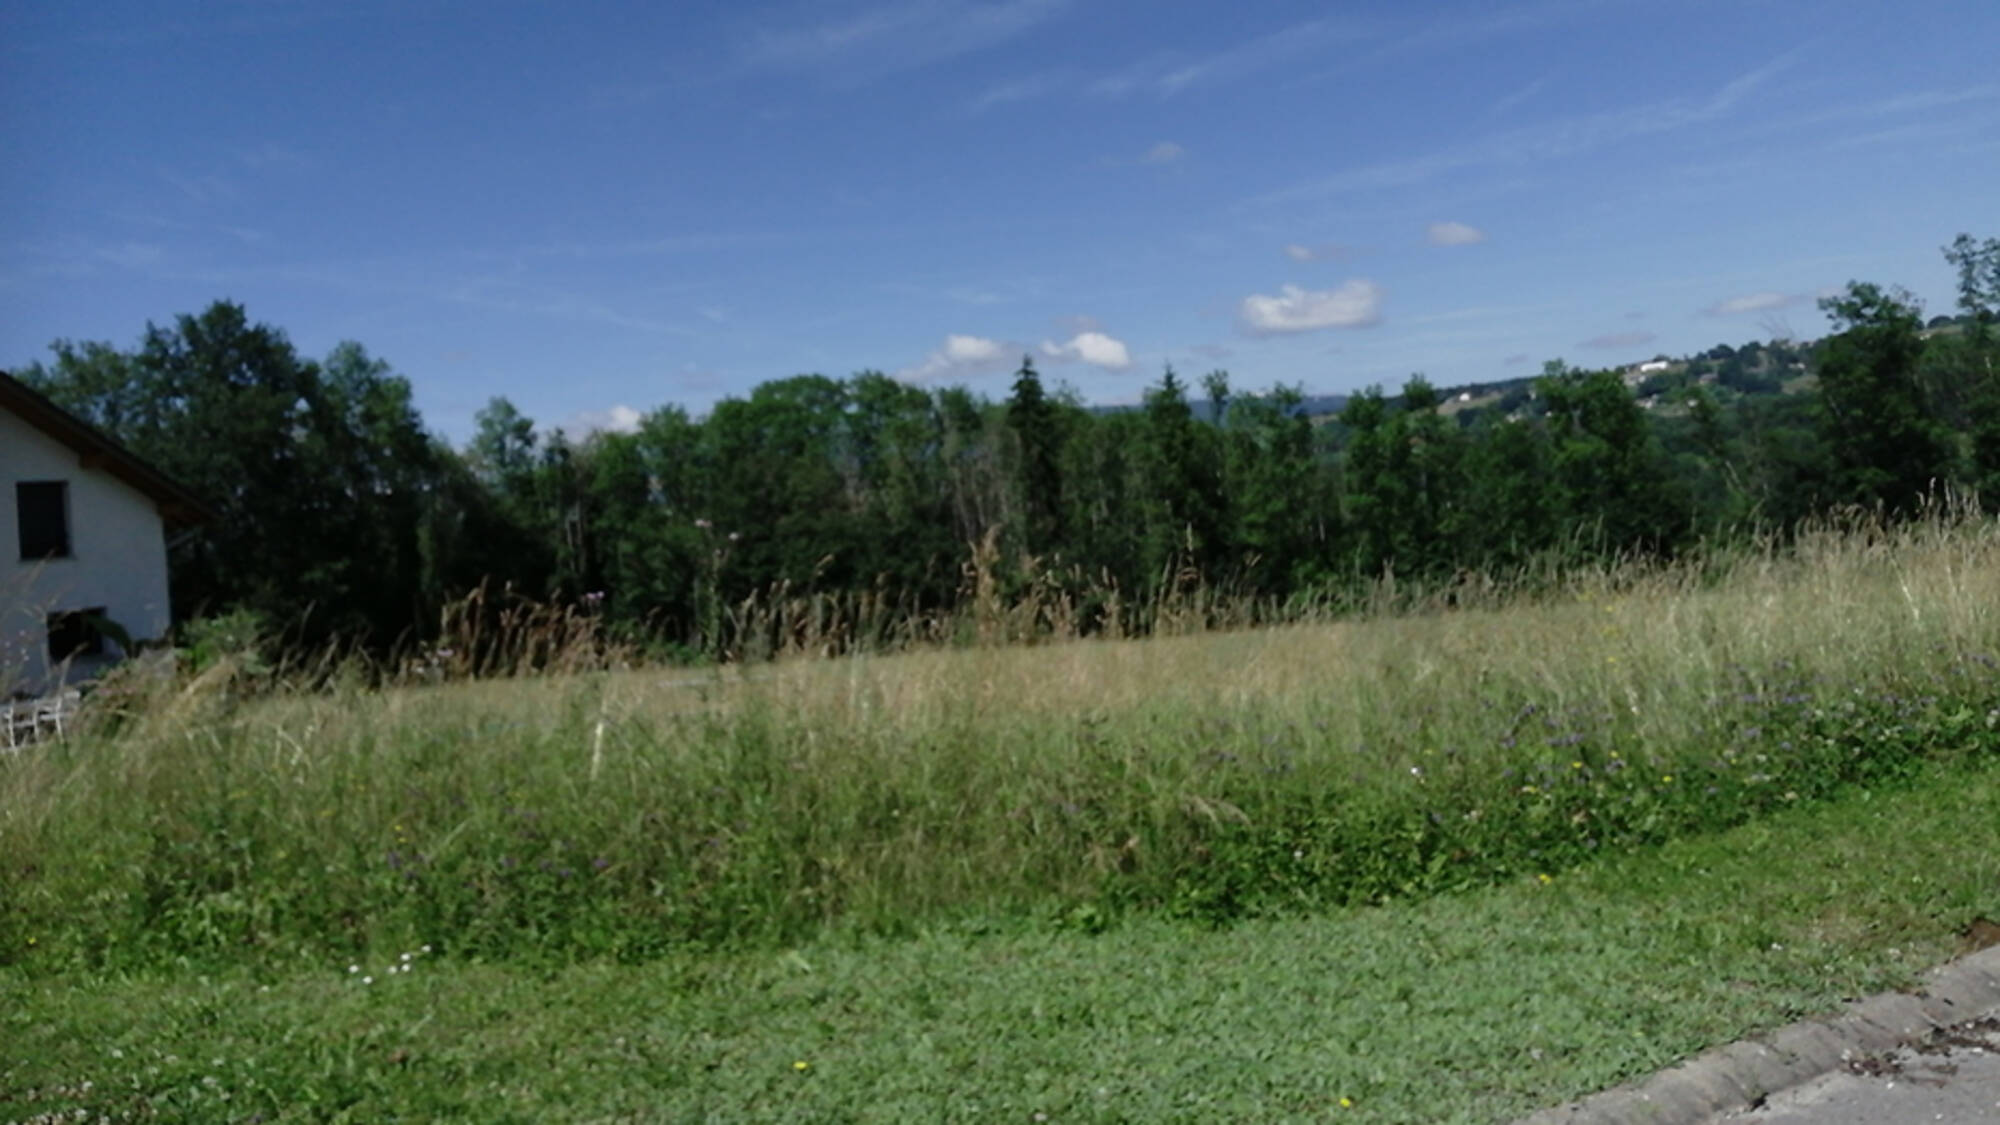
(598, 209)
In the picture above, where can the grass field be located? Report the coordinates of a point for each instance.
(1224, 875)
(1469, 1007)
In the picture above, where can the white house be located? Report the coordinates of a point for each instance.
(83, 542)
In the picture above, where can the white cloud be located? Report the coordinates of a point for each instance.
(620, 419)
(1166, 152)
(960, 356)
(1454, 234)
(1753, 302)
(1324, 252)
(1355, 304)
(1093, 348)
(972, 349)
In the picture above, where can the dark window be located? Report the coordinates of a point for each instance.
(75, 633)
(44, 509)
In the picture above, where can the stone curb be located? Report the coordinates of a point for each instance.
(1733, 1077)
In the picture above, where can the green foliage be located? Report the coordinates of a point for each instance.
(242, 635)
(1471, 1007)
(1978, 266)
(1285, 518)
(1183, 512)
(1611, 480)
(318, 472)
(1032, 419)
(1508, 473)
(564, 819)
(1891, 451)
(1406, 484)
(876, 512)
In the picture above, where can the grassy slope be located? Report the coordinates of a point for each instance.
(612, 868)
(1469, 1007)
(1217, 776)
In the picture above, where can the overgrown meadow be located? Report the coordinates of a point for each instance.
(625, 813)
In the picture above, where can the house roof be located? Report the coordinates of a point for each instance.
(178, 506)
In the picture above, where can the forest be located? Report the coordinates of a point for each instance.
(342, 519)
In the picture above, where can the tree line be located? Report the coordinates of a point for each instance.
(341, 516)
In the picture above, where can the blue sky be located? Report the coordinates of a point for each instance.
(596, 209)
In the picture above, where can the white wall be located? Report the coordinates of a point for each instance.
(118, 560)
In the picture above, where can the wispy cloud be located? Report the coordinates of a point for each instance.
(1355, 304)
(1492, 21)
(74, 259)
(966, 295)
(1515, 99)
(1016, 90)
(510, 295)
(647, 246)
(202, 188)
(1164, 75)
(1513, 313)
(502, 290)
(131, 255)
(1931, 99)
(1159, 154)
(1453, 234)
(1753, 302)
(271, 156)
(1941, 107)
(1550, 140)
(1618, 340)
(1320, 252)
(1931, 133)
(899, 36)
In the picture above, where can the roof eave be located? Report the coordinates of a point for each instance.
(178, 506)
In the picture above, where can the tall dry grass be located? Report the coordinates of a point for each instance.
(1478, 734)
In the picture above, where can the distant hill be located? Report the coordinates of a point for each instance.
(1750, 370)
(1312, 406)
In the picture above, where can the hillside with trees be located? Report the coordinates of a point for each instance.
(344, 518)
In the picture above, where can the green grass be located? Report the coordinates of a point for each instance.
(1475, 1006)
(1211, 777)
(1446, 866)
